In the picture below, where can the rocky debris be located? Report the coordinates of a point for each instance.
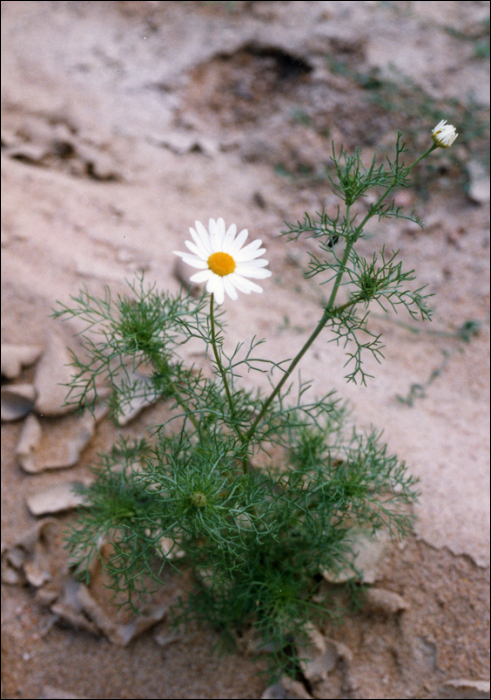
(29, 559)
(76, 604)
(15, 357)
(17, 401)
(319, 658)
(56, 148)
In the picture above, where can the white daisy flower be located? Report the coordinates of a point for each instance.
(225, 265)
(444, 134)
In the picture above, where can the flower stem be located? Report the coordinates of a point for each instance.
(221, 369)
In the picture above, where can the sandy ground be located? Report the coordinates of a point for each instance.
(123, 123)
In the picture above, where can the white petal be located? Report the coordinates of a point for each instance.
(251, 248)
(215, 286)
(217, 234)
(229, 238)
(255, 272)
(254, 287)
(229, 288)
(192, 260)
(253, 263)
(202, 276)
(196, 250)
(239, 242)
(212, 228)
(201, 241)
(203, 235)
(242, 284)
(240, 256)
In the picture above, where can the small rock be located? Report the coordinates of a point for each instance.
(369, 555)
(98, 164)
(122, 635)
(145, 396)
(182, 142)
(31, 554)
(15, 357)
(286, 689)
(170, 549)
(29, 441)
(378, 599)
(17, 401)
(82, 607)
(10, 576)
(16, 556)
(118, 634)
(12, 561)
(164, 639)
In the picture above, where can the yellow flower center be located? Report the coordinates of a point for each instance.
(221, 264)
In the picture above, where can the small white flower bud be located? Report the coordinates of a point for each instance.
(444, 134)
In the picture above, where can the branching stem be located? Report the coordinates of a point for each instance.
(329, 311)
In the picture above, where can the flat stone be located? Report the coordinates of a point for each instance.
(53, 373)
(58, 446)
(463, 689)
(55, 499)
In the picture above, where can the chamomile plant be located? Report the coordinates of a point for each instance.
(259, 493)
